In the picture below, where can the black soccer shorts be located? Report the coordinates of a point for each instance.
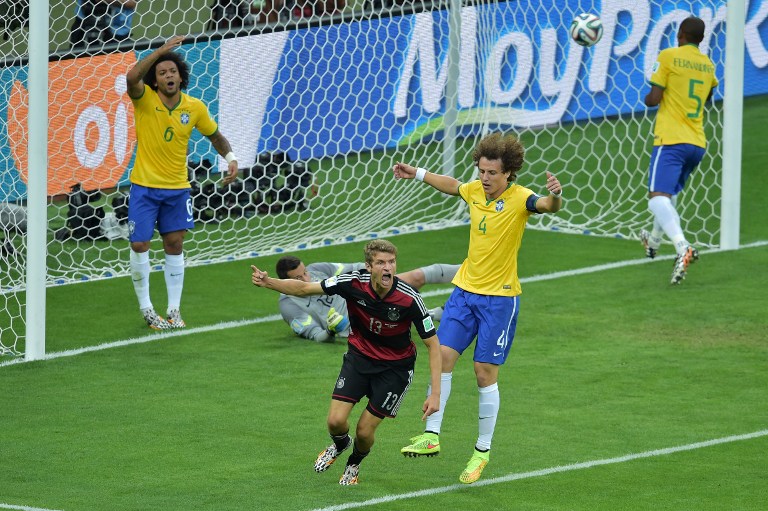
(384, 382)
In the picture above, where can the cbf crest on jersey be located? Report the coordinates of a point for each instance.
(500, 206)
(393, 314)
(185, 118)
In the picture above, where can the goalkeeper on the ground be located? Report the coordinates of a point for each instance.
(323, 317)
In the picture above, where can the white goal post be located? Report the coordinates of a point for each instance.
(317, 109)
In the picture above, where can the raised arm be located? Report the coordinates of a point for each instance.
(446, 184)
(552, 202)
(286, 286)
(135, 77)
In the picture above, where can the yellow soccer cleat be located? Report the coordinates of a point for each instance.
(475, 467)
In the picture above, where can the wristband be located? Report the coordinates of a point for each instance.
(230, 157)
(420, 173)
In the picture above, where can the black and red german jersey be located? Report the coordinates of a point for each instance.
(381, 327)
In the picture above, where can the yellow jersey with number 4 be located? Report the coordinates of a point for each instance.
(163, 136)
(496, 231)
(687, 77)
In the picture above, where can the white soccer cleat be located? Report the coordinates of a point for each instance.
(682, 262)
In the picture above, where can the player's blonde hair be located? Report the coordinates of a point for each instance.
(375, 246)
(506, 148)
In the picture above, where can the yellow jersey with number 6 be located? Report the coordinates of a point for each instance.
(496, 231)
(163, 136)
(687, 77)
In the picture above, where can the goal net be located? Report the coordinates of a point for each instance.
(319, 99)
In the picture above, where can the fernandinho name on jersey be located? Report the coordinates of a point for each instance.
(687, 77)
(696, 66)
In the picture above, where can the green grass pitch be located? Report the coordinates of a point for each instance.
(231, 414)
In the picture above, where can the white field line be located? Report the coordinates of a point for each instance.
(25, 508)
(544, 472)
(276, 317)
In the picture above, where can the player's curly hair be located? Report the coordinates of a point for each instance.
(506, 148)
(374, 246)
(286, 264)
(150, 78)
(693, 29)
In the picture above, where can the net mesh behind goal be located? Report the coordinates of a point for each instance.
(319, 105)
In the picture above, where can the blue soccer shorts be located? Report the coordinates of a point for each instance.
(671, 165)
(170, 210)
(492, 319)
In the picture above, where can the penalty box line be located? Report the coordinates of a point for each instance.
(545, 472)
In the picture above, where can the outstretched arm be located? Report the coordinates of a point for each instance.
(135, 77)
(286, 286)
(553, 202)
(446, 184)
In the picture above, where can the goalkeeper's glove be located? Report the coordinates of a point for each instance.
(336, 322)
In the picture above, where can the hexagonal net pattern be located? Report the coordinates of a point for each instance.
(319, 99)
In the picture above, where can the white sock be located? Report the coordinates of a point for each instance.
(174, 279)
(140, 277)
(435, 420)
(656, 234)
(667, 217)
(488, 411)
(439, 273)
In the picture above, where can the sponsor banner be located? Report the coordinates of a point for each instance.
(90, 132)
(381, 82)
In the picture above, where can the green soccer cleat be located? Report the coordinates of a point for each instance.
(426, 444)
(475, 467)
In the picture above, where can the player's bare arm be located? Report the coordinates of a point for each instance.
(135, 77)
(446, 184)
(653, 98)
(222, 146)
(553, 202)
(432, 404)
(286, 286)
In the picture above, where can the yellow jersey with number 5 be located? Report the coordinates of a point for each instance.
(496, 231)
(687, 77)
(163, 135)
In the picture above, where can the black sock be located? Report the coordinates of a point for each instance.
(356, 457)
(341, 441)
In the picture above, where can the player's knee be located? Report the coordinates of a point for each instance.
(140, 246)
(337, 423)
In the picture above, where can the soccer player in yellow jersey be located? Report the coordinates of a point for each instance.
(160, 188)
(485, 303)
(682, 81)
